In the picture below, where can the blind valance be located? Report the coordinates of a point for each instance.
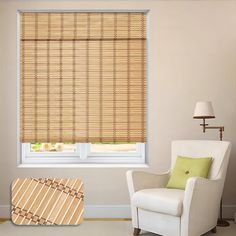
(82, 77)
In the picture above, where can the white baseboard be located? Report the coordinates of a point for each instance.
(107, 211)
(90, 211)
(4, 211)
(229, 211)
(114, 211)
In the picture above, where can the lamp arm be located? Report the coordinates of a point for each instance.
(220, 128)
(206, 126)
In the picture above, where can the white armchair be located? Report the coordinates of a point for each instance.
(173, 212)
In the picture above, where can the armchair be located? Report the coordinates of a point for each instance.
(174, 212)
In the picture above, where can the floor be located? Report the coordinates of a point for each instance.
(89, 228)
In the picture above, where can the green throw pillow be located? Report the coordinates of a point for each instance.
(186, 167)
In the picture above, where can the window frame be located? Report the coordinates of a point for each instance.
(25, 158)
(81, 155)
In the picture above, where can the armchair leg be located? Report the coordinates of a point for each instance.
(213, 230)
(136, 231)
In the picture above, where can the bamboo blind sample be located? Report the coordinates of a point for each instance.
(46, 201)
(83, 77)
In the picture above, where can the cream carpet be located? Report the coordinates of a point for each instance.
(89, 228)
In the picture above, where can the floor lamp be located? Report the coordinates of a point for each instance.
(204, 110)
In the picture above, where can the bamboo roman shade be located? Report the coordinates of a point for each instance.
(83, 77)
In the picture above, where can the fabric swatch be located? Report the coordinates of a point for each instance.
(47, 201)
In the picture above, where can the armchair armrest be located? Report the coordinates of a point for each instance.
(138, 180)
(202, 198)
(201, 190)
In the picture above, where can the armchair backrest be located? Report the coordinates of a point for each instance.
(218, 150)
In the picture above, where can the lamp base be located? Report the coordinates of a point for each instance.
(222, 223)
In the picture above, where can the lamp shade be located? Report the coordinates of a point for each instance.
(203, 110)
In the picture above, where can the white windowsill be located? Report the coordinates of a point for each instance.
(86, 165)
(82, 158)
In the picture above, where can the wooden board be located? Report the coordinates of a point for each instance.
(46, 201)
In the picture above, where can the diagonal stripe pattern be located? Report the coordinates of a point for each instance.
(45, 201)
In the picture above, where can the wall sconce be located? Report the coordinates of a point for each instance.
(204, 110)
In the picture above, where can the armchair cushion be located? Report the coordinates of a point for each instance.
(161, 200)
(186, 167)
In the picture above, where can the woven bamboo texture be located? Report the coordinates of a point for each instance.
(83, 77)
(47, 201)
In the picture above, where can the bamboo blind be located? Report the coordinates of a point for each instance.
(83, 77)
(46, 201)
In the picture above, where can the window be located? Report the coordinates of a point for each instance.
(82, 87)
(49, 153)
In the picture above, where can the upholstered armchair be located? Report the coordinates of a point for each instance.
(174, 212)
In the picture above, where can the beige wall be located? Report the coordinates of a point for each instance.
(192, 57)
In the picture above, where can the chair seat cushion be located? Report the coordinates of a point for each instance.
(162, 200)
